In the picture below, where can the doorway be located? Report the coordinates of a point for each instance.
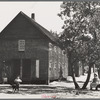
(16, 68)
(26, 70)
(22, 67)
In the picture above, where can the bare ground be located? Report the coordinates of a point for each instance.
(53, 90)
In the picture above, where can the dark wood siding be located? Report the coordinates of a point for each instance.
(36, 48)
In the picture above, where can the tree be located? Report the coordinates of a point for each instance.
(80, 37)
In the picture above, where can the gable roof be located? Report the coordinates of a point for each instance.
(38, 26)
(42, 29)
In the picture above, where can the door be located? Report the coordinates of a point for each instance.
(16, 68)
(26, 70)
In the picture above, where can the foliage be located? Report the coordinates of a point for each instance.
(81, 29)
(81, 33)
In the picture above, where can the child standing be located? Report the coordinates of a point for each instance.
(17, 81)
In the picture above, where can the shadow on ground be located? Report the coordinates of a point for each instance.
(43, 90)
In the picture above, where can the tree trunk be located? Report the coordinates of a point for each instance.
(70, 64)
(88, 76)
(74, 80)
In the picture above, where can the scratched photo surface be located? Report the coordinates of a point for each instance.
(49, 49)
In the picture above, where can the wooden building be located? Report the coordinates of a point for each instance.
(29, 50)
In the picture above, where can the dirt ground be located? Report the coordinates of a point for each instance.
(53, 90)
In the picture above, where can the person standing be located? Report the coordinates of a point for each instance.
(17, 81)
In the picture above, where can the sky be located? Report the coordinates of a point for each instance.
(45, 13)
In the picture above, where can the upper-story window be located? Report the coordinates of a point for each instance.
(21, 45)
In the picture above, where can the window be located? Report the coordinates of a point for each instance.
(37, 68)
(21, 45)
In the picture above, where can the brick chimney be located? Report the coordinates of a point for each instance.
(33, 16)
